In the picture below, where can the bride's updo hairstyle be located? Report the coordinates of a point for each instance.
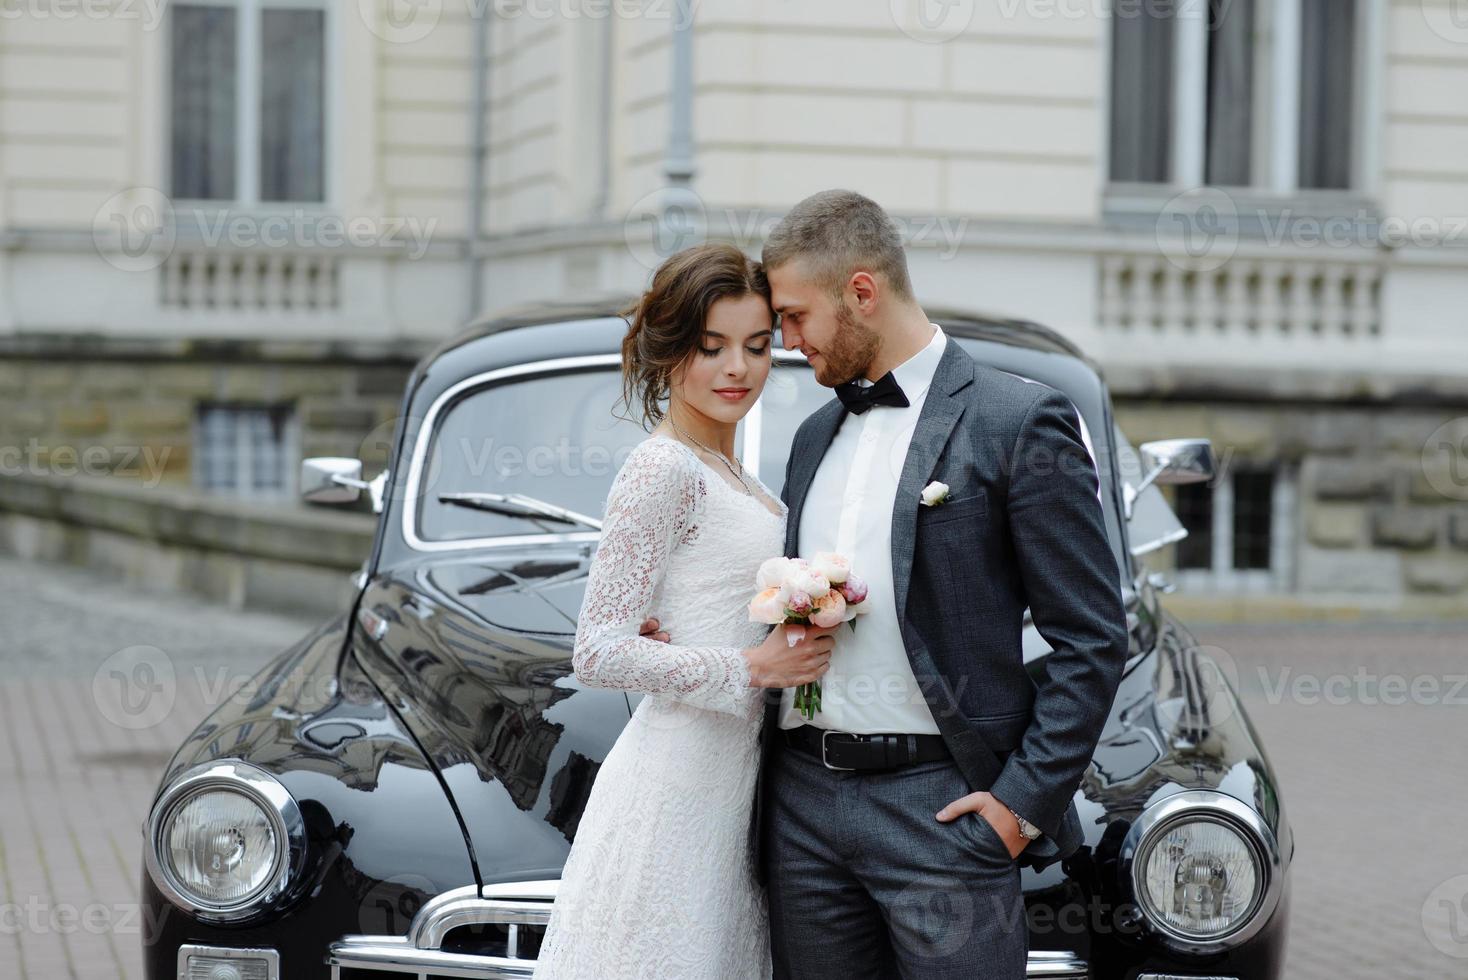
(666, 324)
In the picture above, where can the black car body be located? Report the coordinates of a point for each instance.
(420, 762)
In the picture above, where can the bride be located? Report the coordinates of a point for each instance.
(660, 880)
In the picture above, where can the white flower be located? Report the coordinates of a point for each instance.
(809, 581)
(934, 494)
(835, 567)
(773, 572)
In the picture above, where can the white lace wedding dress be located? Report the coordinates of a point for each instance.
(660, 879)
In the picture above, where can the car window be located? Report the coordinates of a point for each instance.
(556, 438)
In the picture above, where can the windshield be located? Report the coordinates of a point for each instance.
(556, 438)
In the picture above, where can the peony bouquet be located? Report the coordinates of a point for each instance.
(820, 592)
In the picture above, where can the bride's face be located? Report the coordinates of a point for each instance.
(726, 372)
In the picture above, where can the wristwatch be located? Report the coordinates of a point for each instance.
(1027, 830)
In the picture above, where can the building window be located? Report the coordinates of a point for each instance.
(1238, 530)
(245, 450)
(1236, 93)
(247, 83)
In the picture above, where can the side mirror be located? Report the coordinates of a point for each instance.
(331, 480)
(1172, 461)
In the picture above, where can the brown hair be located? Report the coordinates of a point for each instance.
(665, 325)
(838, 233)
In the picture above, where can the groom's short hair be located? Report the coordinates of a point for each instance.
(838, 232)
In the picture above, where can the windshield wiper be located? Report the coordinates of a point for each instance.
(517, 505)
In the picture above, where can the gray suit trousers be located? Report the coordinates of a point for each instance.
(864, 882)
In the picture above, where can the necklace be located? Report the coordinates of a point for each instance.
(738, 474)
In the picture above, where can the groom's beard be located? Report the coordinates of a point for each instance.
(852, 347)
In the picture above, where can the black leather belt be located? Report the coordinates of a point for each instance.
(850, 751)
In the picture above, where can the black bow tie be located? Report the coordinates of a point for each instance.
(858, 398)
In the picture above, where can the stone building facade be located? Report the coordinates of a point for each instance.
(227, 228)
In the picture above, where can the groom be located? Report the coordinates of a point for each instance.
(892, 825)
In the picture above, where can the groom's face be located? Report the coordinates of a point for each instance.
(835, 343)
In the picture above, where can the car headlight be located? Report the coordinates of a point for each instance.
(1204, 869)
(223, 840)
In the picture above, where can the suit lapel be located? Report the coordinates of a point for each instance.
(809, 453)
(940, 413)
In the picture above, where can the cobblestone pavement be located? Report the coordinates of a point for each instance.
(1372, 770)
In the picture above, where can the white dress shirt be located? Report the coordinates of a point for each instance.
(848, 509)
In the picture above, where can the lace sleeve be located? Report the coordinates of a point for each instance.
(652, 505)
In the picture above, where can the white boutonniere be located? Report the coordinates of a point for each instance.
(934, 494)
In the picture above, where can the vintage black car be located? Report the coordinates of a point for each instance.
(399, 791)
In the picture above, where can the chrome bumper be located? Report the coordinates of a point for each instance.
(513, 906)
(396, 955)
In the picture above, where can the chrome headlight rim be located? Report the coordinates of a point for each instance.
(257, 785)
(1195, 805)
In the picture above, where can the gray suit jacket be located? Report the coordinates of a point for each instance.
(1022, 527)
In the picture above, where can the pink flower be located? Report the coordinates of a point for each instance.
(854, 590)
(829, 610)
(799, 604)
(768, 607)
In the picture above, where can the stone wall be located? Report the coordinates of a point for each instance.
(1380, 513)
(168, 538)
(88, 407)
(96, 453)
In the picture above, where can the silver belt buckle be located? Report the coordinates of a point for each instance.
(828, 765)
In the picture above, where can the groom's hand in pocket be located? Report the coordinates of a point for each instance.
(986, 806)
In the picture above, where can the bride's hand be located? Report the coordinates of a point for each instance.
(650, 629)
(779, 663)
